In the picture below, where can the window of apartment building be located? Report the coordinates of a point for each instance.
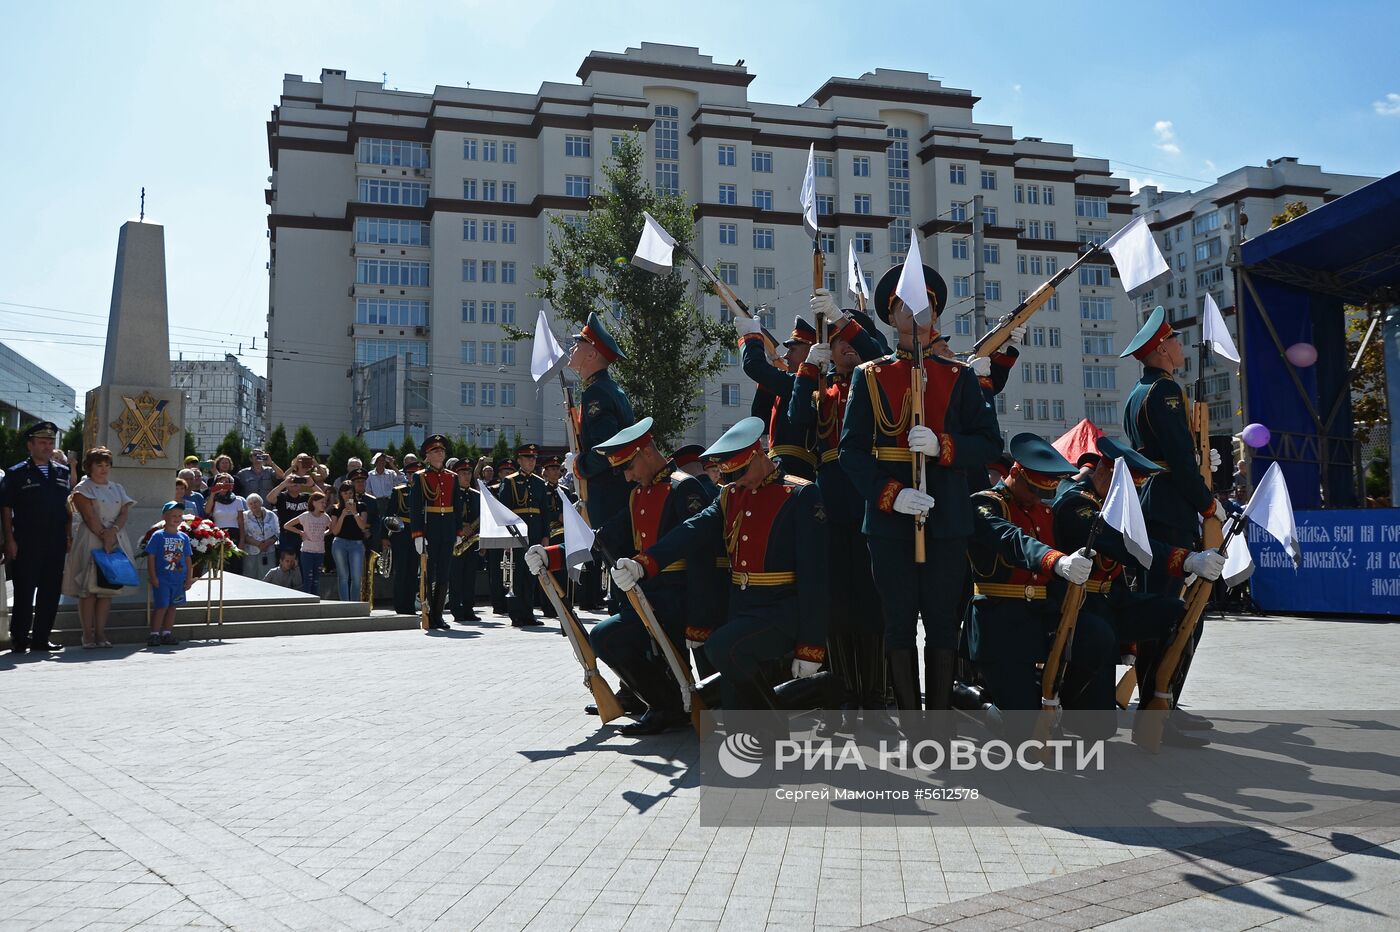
(488, 150)
(488, 231)
(957, 173)
(962, 325)
(860, 166)
(960, 248)
(578, 185)
(729, 394)
(900, 232)
(1090, 208)
(1057, 373)
(1208, 250)
(488, 394)
(864, 242)
(391, 312)
(958, 212)
(1095, 308)
(1219, 297)
(1205, 223)
(580, 147)
(731, 356)
(383, 191)
(989, 180)
(1177, 233)
(508, 153)
(1181, 262)
(1042, 409)
(469, 189)
(1028, 409)
(862, 204)
(1101, 377)
(727, 272)
(403, 272)
(1217, 382)
(391, 232)
(897, 155)
(1042, 372)
(962, 286)
(1037, 336)
(1208, 278)
(828, 242)
(468, 393)
(468, 352)
(1018, 193)
(508, 231)
(1049, 229)
(992, 291)
(729, 234)
(1092, 237)
(668, 177)
(488, 312)
(1036, 265)
(728, 194)
(1047, 195)
(616, 142)
(763, 200)
(1001, 403)
(1052, 265)
(469, 149)
(1100, 412)
(488, 271)
(469, 230)
(1033, 195)
(668, 148)
(488, 352)
(1025, 373)
(1057, 410)
(468, 312)
(762, 238)
(761, 161)
(764, 278)
(1098, 344)
(508, 192)
(726, 155)
(1030, 227)
(1021, 264)
(507, 394)
(488, 190)
(823, 166)
(991, 253)
(989, 216)
(507, 273)
(507, 312)
(1096, 276)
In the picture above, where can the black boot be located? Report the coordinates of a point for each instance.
(904, 679)
(654, 687)
(939, 665)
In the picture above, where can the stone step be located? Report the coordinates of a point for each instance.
(128, 615)
(196, 630)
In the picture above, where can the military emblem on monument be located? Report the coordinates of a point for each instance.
(144, 427)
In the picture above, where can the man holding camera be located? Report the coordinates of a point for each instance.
(260, 477)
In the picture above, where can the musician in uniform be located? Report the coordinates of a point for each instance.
(779, 582)
(660, 499)
(403, 557)
(434, 503)
(879, 440)
(792, 446)
(603, 411)
(855, 631)
(525, 494)
(495, 582)
(551, 468)
(34, 512)
(466, 552)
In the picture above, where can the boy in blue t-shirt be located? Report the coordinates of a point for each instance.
(171, 572)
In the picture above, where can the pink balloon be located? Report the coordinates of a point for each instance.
(1255, 435)
(1301, 355)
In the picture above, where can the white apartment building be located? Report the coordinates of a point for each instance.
(29, 393)
(407, 225)
(1196, 229)
(221, 395)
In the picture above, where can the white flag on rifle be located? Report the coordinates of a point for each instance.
(1239, 565)
(1215, 332)
(578, 537)
(1135, 253)
(855, 276)
(654, 248)
(1272, 509)
(808, 197)
(547, 355)
(497, 522)
(1123, 513)
(912, 288)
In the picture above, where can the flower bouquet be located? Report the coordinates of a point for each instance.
(211, 544)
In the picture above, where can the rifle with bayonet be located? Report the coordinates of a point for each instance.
(1200, 428)
(998, 336)
(736, 307)
(1057, 663)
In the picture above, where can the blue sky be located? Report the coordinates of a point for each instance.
(102, 98)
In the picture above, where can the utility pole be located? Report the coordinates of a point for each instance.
(979, 273)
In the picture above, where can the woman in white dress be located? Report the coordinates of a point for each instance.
(102, 507)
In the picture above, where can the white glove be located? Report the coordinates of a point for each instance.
(803, 668)
(537, 560)
(420, 544)
(1214, 459)
(981, 365)
(823, 303)
(819, 355)
(1207, 564)
(568, 464)
(913, 502)
(1074, 567)
(695, 645)
(626, 572)
(1018, 334)
(746, 325)
(923, 440)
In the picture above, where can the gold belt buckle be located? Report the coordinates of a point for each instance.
(1030, 593)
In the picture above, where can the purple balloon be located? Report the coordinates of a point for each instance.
(1256, 435)
(1301, 355)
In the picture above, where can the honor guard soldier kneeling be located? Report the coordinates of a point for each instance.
(434, 502)
(1015, 611)
(772, 527)
(34, 496)
(526, 494)
(658, 502)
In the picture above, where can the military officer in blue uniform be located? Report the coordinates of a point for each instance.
(603, 411)
(466, 549)
(855, 629)
(659, 500)
(434, 503)
(34, 511)
(526, 494)
(879, 441)
(792, 446)
(779, 583)
(1015, 556)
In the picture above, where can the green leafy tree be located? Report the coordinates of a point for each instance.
(517, 442)
(276, 446)
(73, 437)
(500, 451)
(304, 441)
(408, 446)
(1369, 405)
(1291, 211)
(344, 448)
(12, 448)
(232, 447)
(461, 449)
(671, 346)
(190, 448)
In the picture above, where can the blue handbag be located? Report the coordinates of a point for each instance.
(114, 570)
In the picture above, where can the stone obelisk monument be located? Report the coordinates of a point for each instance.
(134, 412)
